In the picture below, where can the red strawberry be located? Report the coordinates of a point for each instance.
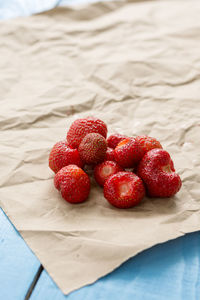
(104, 170)
(114, 139)
(81, 127)
(62, 155)
(128, 153)
(124, 189)
(73, 183)
(110, 154)
(92, 148)
(147, 143)
(157, 171)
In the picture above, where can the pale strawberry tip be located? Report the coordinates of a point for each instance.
(125, 189)
(104, 170)
(167, 169)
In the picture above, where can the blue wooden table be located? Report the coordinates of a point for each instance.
(167, 271)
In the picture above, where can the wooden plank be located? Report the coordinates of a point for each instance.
(18, 265)
(167, 271)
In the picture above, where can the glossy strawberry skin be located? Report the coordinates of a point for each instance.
(124, 190)
(92, 148)
(157, 171)
(73, 183)
(148, 143)
(104, 170)
(81, 127)
(114, 139)
(128, 153)
(62, 155)
(110, 154)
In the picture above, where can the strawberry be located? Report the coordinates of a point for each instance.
(128, 153)
(92, 148)
(114, 139)
(110, 154)
(104, 170)
(147, 143)
(62, 155)
(81, 127)
(73, 183)
(157, 171)
(124, 190)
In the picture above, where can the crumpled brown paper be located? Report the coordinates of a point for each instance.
(136, 66)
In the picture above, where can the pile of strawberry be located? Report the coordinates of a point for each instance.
(150, 168)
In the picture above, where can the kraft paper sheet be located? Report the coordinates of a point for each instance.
(136, 65)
